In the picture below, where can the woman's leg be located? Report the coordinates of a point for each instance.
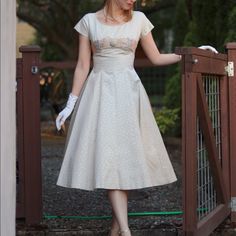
(119, 203)
(115, 228)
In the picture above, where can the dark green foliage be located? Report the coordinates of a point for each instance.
(209, 23)
(54, 21)
(190, 39)
(172, 98)
(167, 120)
(231, 35)
(180, 24)
(198, 23)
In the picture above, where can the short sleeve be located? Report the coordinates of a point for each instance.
(146, 25)
(82, 26)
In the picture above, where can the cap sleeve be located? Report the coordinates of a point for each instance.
(82, 26)
(146, 25)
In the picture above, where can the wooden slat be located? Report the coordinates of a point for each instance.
(206, 65)
(231, 47)
(224, 118)
(196, 51)
(183, 147)
(20, 204)
(212, 220)
(31, 136)
(19, 68)
(208, 133)
(190, 160)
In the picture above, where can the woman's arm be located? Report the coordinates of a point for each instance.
(80, 75)
(153, 54)
(83, 64)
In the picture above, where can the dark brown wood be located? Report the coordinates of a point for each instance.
(224, 120)
(207, 65)
(208, 133)
(203, 61)
(31, 136)
(212, 220)
(204, 65)
(19, 138)
(231, 48)
(58, 64)
(196, 51)
(189, 155)
(183, 147)
(196, 63)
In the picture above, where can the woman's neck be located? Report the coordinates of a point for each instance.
(115, 11)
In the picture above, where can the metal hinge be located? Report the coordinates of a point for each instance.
(233, 204)
(230, 69)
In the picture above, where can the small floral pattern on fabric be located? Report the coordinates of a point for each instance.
(108, 42)
(113, 141)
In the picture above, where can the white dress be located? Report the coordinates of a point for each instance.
(113, 141)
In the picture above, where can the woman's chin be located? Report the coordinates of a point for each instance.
(128, 7)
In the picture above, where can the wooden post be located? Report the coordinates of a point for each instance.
(7, 117)
(189, 121)
(231, 47)
(31, 134)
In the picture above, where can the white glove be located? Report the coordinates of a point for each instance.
(65, 113)
(208, 47)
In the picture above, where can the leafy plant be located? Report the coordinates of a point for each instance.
(167, 120)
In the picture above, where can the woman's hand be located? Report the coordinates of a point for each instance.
(208, 47)
(65, 113)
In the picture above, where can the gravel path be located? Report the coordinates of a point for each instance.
(59, 201)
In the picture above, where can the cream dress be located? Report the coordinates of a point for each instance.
(113, 141)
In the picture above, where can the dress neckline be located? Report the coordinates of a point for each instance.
(116, 25)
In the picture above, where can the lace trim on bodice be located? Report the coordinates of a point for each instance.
(108, 42)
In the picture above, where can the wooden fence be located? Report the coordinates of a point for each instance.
(208, 137)
(29, 179)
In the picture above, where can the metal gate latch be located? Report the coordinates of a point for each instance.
(230, 69)
(233, 204)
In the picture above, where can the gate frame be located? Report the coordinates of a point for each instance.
(194, 63)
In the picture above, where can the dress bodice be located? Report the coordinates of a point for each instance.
(114, 40)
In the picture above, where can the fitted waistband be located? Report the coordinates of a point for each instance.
(116, 63)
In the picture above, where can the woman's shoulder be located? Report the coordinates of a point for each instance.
(88, 15)
(138, 13)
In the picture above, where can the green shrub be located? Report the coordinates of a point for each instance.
(168, 120)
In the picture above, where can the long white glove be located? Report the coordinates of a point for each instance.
(65, 113)
(208, 47)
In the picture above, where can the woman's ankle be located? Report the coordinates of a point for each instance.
(124, 231)
(114, 232)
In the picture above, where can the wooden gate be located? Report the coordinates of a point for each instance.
(206, 139)
(28, 165)
(209, 138)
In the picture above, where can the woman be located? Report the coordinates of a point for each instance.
(113, 141)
